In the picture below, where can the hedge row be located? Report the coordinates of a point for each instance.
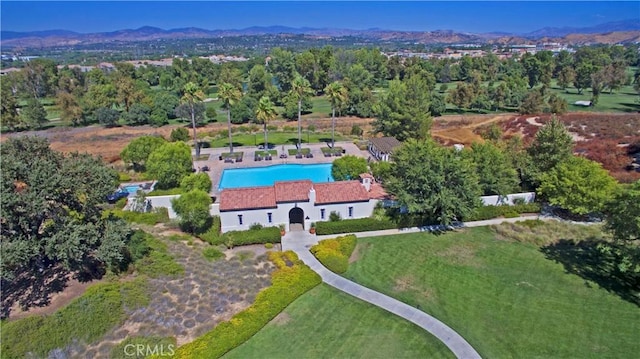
(489, 212)
(353, 225)
(291, 279)
(334, 253)
(240, 238)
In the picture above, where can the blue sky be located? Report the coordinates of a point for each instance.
(471, 16)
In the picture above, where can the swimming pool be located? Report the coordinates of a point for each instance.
(266, 176)
(132, 189)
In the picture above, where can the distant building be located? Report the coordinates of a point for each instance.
(382, 147)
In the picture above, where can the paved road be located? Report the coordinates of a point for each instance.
(301, 241)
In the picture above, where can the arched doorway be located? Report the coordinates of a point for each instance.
(296, 218)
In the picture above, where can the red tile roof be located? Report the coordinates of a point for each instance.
(378, 192)
(235, 199)
(292, 191)
(340, 192)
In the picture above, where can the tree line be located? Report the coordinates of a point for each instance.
(375, 86)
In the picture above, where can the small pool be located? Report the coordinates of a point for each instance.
(132, 189)
(266, 176)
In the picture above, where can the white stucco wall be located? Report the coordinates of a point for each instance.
(528, 197)
(280, 215)
(164, 201)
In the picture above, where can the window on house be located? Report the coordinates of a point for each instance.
(322, 213)
(350, 211)
(269, 219)
(240, 219)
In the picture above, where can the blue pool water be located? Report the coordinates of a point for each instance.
(133, 189)
(266, 176)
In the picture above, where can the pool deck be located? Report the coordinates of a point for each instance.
(216, 166)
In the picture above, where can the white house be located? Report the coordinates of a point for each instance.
(296, 202)
(382, 147)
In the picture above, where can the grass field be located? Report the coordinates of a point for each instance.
(505, 297)
(275, 138)
(326, 323)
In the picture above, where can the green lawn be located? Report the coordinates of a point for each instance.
(276, 138)
(622, 100)
(506, 298)
(326, 323)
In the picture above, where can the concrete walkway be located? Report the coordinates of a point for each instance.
(301, 241)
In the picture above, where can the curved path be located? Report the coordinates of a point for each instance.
(301, 241)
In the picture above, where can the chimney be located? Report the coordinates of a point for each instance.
(312, 195)
(366, 180)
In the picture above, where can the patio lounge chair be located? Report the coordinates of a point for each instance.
(299, 155)
(228, 160)
(309, 155)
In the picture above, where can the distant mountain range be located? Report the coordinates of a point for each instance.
(619, 31)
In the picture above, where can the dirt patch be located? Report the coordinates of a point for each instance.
(358, 251)
(281, 319)
(465, 136)
(73, 290)
(460, 255)
(403, 284)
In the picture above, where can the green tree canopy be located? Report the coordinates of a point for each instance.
(622, 214)
(348, 168)
(199, 181)
(137, 151)
(192, 95)
(52, 221)
(229, 95)
(578, 185)
(435, 182)
(403, 112)
(169, 164)
(552, 145)
(193, 209)
(495, 171)
(265, 113)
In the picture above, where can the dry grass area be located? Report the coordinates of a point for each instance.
(464, 129)
(601, 137)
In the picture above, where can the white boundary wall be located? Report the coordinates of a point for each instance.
(527, 197)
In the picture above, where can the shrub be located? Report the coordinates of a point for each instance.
(121, 203)
(159, 262)
(353, 225)
(334, 216)
(179, 134)
(333, 260)
(200, 181)
(123, 177)
(212, 253)
(255, 226)
(166, 192)
(212, 235)
(268, 245)
(356, 130)
(193, 209)
(291, 279)
(334, 253)
(252, 236)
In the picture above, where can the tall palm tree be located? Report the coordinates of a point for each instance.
(337, 95)
(300, 88)
(192, 95)
(265, 112)
(229, 95)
